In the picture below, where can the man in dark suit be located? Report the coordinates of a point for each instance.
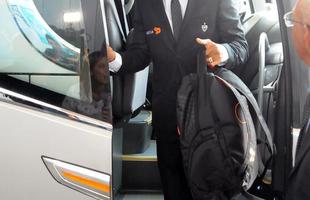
(299, 179)
(167, 32)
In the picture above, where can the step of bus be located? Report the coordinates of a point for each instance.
(140, 171)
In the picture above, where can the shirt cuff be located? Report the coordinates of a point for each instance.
(224, 54)
(116, 64)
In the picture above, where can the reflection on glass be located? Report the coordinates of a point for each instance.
(100, 107)
(72, 17)
(40, 35)
(70, 34)
(94, 56)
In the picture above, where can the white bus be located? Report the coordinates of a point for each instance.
(71, 130)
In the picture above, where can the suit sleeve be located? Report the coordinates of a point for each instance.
(137, 56)
(232, 34)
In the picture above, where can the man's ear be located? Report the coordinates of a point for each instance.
(307, 39)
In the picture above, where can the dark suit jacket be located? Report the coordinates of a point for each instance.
(173, 59)
(299, 178)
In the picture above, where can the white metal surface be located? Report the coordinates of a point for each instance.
(26, 135)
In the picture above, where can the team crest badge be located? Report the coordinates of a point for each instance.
(204, 27)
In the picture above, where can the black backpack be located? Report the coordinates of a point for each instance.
(215, 114)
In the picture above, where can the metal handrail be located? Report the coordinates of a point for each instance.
(262, 48)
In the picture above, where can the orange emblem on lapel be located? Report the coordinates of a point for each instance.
(157, 30)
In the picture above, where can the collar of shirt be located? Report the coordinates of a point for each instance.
(167, 6)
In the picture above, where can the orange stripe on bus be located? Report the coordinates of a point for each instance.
(90, 183)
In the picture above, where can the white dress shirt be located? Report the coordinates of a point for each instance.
(115, 65)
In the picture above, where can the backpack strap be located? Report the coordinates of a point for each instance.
(241, 98)
(235, 84)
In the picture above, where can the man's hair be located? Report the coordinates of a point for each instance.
(94, 57)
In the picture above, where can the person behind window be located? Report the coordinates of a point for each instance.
(99, 107)
(299, 181)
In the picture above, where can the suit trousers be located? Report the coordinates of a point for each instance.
(171, 169)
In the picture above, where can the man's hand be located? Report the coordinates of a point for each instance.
(111, 54)
(213, 54)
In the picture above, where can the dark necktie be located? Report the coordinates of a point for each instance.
(176, 16)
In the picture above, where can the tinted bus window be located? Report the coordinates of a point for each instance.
(56, 53)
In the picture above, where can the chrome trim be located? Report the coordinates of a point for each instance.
(56, 167)
(70, 114)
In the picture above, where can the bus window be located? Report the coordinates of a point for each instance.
(52, 55)
(38, 32)
(245, 10)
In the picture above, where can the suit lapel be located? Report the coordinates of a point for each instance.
(164, 22)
